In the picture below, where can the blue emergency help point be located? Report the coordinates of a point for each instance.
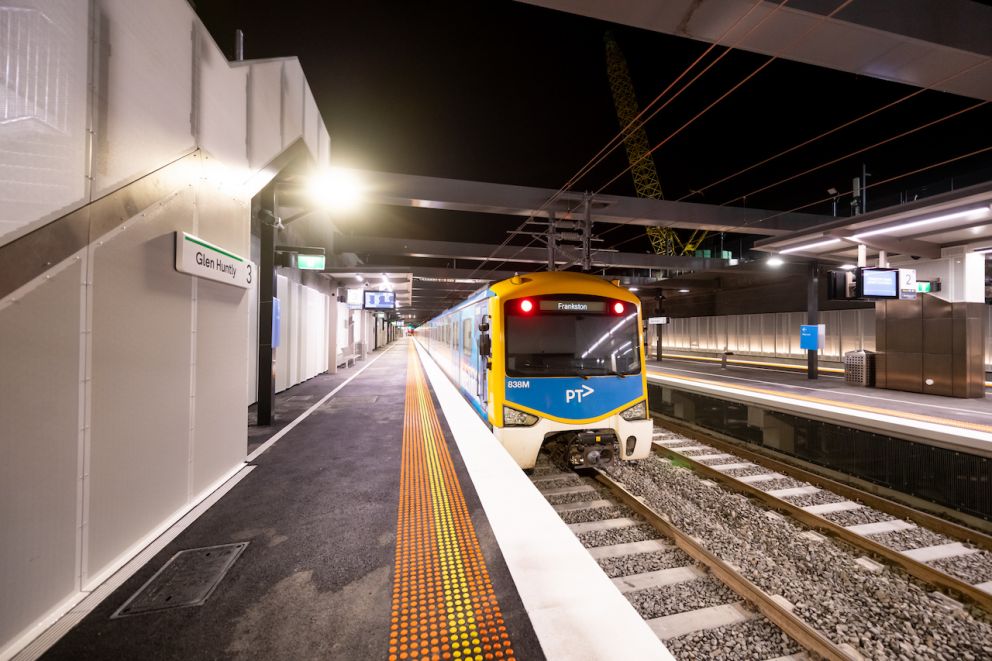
(812, 337)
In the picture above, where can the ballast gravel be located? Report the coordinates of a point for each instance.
(637, 533)
(754, 640)
(883, 615)
(780, 483)
(818, 498)
(696, 453)
(680, 597)
(914, 538)
(560, 483)
(640, 563)
(974, 568)
(858, 517)
(562, 499)
(595, 514)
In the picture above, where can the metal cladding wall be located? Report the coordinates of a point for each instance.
(123, 380)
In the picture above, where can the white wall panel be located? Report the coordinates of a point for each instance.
(43, 110)
(142, 115)
(39, 443)
(324, 156)
(282, 351)
(221, 107)
(220, 421)
(264, 113)
(293, 83)
(311, 132)
(142, 318)
(294, 335)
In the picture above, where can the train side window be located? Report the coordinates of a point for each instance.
(466, 335)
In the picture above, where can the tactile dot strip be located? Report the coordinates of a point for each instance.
(443, 605)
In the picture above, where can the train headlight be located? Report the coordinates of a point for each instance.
(515, 418)
(638, 411)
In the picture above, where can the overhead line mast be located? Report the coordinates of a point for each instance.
(664, 240)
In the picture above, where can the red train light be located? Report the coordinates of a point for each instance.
(618, 308)
(526, 306)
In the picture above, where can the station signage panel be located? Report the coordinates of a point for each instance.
(657, 321)
(812, 337)
(205, 260)
(573, 306)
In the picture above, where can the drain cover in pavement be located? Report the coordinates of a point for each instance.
(187, 579)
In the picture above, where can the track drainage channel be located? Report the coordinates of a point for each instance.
(187, 579)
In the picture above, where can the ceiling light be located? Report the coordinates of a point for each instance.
(683, 291)
(848, 267)
(632, 289)
(810, 246)
(775, 262)
(831, 191)
(336, 188)
(358, 276)
(969, 214)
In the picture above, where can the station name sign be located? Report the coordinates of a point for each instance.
(573, 306)
(205, 260)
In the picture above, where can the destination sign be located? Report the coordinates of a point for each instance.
(573, 306)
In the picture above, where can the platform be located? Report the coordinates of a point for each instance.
(961, 424)
(374, 531)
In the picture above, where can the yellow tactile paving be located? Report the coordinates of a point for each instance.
(831, 402)
(444, 605)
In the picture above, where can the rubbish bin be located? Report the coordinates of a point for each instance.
(859, 368)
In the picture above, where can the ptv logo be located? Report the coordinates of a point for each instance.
(577, 394)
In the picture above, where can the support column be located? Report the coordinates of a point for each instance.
(813, 316)
(266, 292)
(363, 333)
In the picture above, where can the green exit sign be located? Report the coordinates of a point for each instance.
(923, 287)
(310, 262)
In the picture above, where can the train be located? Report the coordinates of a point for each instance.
(550, 357)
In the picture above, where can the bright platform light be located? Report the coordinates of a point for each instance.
(775, 262)
(336, 188)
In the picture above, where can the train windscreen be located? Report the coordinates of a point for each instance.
(569, 344)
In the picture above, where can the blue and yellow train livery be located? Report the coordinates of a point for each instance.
(547, 356)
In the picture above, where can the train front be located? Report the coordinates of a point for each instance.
(572, 370)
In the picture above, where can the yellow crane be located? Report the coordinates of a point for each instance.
(664, 240)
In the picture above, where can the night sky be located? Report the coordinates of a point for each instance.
(506, 92)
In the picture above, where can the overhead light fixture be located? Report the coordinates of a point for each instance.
(336, 188)
(683, 291)
(848, 267)
(633, 289)
(831, 191)
(775, 262)
(809, 246)
(968, 214)
(358, 276)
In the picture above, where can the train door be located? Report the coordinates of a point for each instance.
(484, 351)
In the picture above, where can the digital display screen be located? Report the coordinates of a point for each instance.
(573, 306)
(879, 283)
(380, 300)
(310, 262)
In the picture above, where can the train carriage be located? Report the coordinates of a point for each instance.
(550, 356)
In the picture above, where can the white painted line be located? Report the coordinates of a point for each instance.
(285, 430)
(576, 611)
(730, 467)
(751, 479)
(673, 626)
(938, 552)
(582, 505)
(630, 548)
(880, 527)
(658, 579)
(565, 491)
(34, 643)
(793, 491)
(605, 524)
(830, 508)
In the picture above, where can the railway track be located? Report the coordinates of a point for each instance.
(690, 598)
(940, 553)
(721, 573)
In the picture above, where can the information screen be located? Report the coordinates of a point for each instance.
(380, 300)
(880, 283)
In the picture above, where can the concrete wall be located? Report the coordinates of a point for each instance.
(120, 410)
